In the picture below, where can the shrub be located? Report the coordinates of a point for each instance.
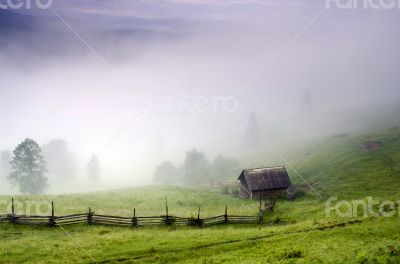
(295, 254)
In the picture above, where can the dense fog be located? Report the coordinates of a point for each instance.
(125, 86)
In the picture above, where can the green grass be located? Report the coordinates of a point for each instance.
(342, 168)
(353, 243)
(148, 201)
(338, 166)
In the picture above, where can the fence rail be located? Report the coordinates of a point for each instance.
(3, 218)
(267, 209)
(134, 221)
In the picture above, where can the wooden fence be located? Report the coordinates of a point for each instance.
(135, 221)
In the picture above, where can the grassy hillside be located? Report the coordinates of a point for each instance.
(367, 242)
(342, 167)
(296, 232)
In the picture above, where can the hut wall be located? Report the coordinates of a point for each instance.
(268, 193)
(244, 189)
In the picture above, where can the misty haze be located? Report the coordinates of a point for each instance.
(265, 109)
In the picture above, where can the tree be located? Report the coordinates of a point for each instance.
(225, 168)
(93, 169)
(196, 169)
(61, 163)
(5, 167)
(251, 138)
(166, 173)
(28, 168)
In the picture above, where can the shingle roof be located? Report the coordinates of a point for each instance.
(266, 178)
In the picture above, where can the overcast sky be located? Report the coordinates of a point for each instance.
(142, 57)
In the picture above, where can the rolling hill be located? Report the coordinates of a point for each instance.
(347, 166)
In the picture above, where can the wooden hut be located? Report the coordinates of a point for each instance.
(264, 182)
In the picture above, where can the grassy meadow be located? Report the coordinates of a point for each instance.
(296, 232)
(148, 201)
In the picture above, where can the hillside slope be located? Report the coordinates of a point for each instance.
(355, 166)
(296, 232)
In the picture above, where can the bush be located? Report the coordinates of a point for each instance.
(277, 220)
(295, 254)
(225, 189)
(291, 254)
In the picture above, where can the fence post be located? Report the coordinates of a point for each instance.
(198, 214)
(166, 205)
(12, 218)
(166, 210)
(51, 218)
(134, 219)
(52, 208)
(90, 216)
(226, 215)
(12, 206)
(199, 222)
(260, 214)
